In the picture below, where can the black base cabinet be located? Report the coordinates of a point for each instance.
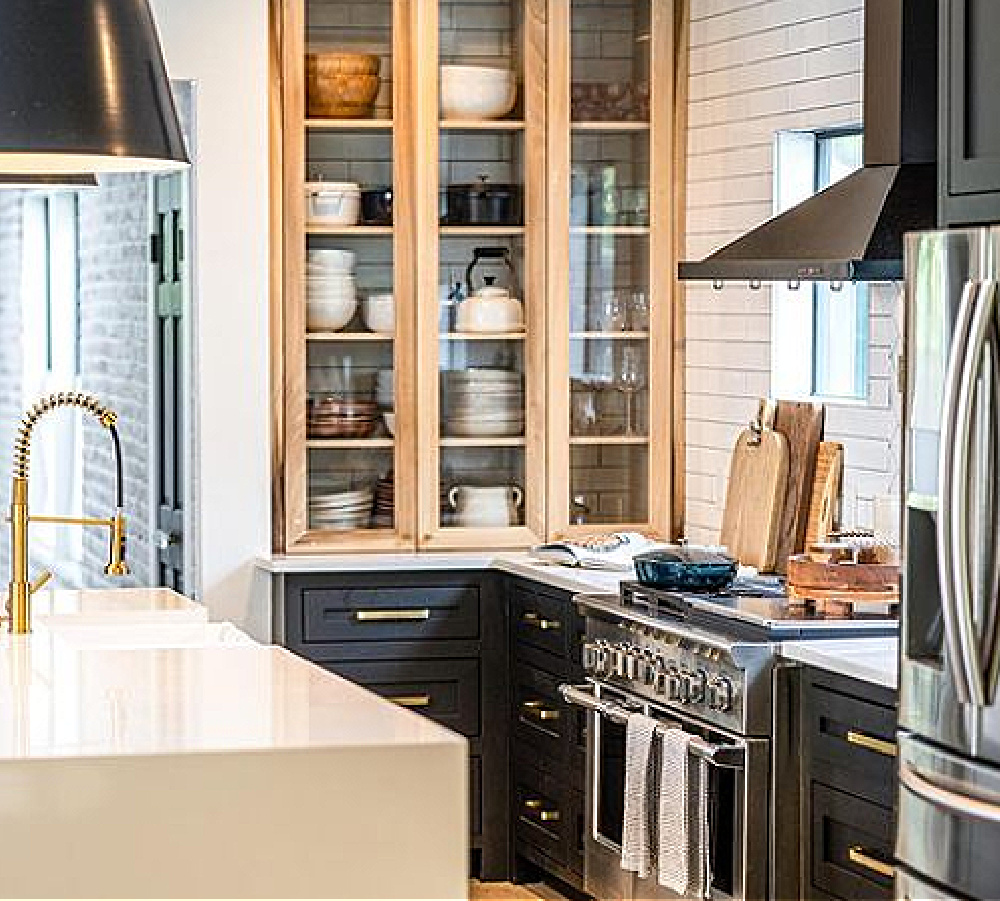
(435, 642)
(848, 796)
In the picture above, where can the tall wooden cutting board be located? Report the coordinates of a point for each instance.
(825, 492)
(754, 498)
(802, 425)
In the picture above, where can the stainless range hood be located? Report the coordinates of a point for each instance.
(853, 231)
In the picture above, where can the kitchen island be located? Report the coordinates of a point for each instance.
(206, 765)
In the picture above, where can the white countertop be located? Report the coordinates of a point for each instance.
(106, 606)
(874, 660)
(567, 578)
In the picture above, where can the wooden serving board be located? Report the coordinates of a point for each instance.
(806, 574)
(825, 496)
(802, 425)
(754, 498)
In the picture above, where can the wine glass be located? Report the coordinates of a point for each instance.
(630, 381)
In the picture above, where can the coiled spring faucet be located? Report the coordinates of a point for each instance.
(21, 589)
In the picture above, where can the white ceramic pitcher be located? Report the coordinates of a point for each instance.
(486, 508)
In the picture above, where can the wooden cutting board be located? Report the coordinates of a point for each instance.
(825, 496)
(801, 423)
(754, 498)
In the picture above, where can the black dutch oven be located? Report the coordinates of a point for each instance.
(376, 206)
(482, 203)
(683, 568)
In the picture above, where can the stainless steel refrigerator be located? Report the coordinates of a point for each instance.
(948, 833)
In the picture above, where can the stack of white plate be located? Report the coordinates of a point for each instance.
(484, 403)
(341, 511)
(331, 293)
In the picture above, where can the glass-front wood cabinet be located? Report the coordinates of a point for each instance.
(474, 268)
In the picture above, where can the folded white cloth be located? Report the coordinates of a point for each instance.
(640, 776)
(683, 844)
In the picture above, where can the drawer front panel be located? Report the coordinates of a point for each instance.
(445, 690)
(548, 816)
(542, 621)
(390, 614)
(852, 743)
(852, 843)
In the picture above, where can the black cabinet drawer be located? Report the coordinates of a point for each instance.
(543, 621)
(548, 815)
(445, 690)
(851, 740)
(852, 843)
(390, 614)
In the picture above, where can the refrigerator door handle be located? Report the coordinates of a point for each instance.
(946, 799)
(989, 432)
(947, 520)
(965, 531)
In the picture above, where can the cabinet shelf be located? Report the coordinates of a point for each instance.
(354, 231)
(609, 336)
(350, 443)
(482, 442)
(611, 126)
(370, 337)
(483, 336)
(623, 230)
(481, 231)
(349, 124)
(608, 439)
(482, 125)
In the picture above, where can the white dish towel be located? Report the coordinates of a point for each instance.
(683, 839)
(640, 811)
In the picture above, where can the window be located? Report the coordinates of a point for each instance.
(819, 345)
(50, 298)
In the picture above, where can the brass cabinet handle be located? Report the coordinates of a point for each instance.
(392, 616)
(857, 855)
(539, 622)
(411, 700)
(538, 710)
(546, 816)
(870, 743)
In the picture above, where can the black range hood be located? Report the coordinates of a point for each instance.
(853, 231)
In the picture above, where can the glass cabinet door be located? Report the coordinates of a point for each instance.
(481, 439)
(610, 274)
(347, 298)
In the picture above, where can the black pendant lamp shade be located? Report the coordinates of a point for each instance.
(83, 88)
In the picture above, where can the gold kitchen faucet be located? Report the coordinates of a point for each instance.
(21, 588)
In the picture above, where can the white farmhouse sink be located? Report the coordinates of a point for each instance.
(135, 636)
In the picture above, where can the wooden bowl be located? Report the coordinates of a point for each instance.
(341, 85)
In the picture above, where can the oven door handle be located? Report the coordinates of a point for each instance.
(728, 756)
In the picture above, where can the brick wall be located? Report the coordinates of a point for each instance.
(758, 67)
(114, 349)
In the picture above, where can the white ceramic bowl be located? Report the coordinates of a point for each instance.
(477, 92)
(380, 313)
(390, 423)
(330, 316)
(333, 203)
(330, 259)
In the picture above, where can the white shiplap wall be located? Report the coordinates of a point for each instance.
(758, 66)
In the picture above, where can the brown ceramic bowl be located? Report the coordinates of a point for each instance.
(341, 84)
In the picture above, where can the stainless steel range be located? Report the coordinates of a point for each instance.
(707, 664)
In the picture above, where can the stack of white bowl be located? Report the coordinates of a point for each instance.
(342, 511)
(484, 403)
(331, 293)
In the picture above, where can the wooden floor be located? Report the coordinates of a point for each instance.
(505, 891)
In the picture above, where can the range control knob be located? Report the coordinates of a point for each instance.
(647, 668)
(661, 676)
(595, 657)
(695, 687)
(675, 685)
(721, 694)
(632, 659)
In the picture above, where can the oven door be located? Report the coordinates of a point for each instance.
(738, 808)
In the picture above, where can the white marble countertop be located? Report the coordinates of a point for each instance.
(874, 660)
(567, 578)
(131, 605)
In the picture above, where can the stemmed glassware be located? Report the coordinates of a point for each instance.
(630, 381)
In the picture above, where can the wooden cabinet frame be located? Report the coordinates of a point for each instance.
(544, 45)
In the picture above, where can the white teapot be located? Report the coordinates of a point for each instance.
(490, 309)
(486, 508)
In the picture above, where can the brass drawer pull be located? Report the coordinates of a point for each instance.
(539, 622)
(537, 806)
(870, 743)
(857, 855)
(538, 710)
(392, 616)
(411, 700)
